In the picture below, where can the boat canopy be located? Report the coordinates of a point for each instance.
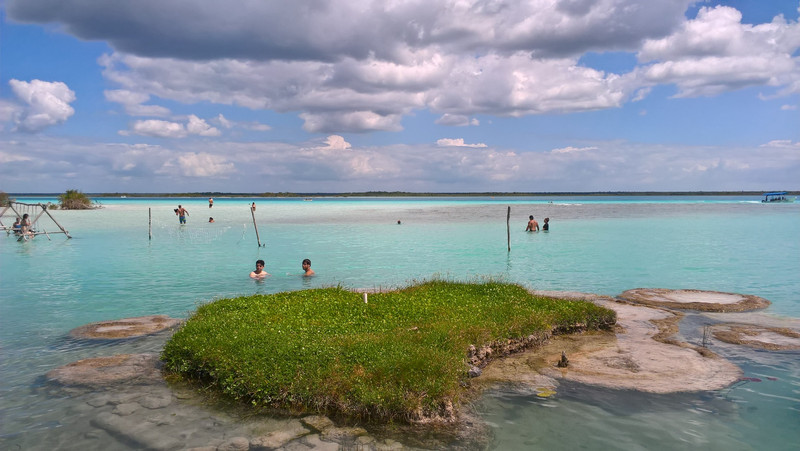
(779, 193)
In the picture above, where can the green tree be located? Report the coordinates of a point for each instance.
(74, 200)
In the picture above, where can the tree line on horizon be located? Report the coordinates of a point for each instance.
(421, 194)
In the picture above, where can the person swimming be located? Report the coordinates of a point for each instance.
(307, 271)
(259, 272)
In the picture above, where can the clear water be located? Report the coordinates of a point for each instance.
(112, 269)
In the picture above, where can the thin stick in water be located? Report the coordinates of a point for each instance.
(253, 212)
(508, 227)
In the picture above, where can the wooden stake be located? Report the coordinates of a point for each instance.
(253, 212)
(150, 223)
(508, 227)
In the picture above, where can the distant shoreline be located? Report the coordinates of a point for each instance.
(417, 194)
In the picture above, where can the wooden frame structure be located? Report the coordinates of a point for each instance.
(19, 209)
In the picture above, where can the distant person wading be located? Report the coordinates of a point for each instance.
(533, 226)
(182, 214)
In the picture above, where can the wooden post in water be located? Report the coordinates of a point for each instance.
(253, 212)
(150, 223)
(508, 227)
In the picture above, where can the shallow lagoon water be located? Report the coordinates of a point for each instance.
(112, 269)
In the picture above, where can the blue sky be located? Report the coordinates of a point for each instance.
(434, 95)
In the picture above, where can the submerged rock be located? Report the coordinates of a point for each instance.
(706, 301)
(643, 355)
(318, 422)
(755, 336)
(279, 438)
(141, 433)
(125, 328)
(104, 371)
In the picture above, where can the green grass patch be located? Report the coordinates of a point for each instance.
(402, 354)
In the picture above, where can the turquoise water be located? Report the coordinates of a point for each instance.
(112, 269)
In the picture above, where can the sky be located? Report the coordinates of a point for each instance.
(313, 96)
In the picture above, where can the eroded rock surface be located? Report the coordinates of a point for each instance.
(640, 355)
(755, 336)
(125, 328)
(707, 301)
(105, 371)
(643, 357)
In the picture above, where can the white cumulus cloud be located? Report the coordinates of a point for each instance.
(457, 120)
(197, 126)
(133, 103)
(351, 66)
(46, 104)
(784, 143)
(571, 149)
(336, 142)
(204, 165)
(716, 52)
(169, 129)
(157, 128)
(458, 142)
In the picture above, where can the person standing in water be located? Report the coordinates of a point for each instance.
(253, 207)
(210, 202)
(533, 226)
(546, 225)
(182, 214)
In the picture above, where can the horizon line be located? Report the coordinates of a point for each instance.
(415, 193)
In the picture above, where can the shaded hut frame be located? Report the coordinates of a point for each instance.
(35, 212)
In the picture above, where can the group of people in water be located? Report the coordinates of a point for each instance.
(260, 273)
(182, 213)
(533, 225)
(22, 226)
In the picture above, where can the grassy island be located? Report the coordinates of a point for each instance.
(403, 355)
(74, 200)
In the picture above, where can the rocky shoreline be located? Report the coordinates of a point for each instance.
(644, 352)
